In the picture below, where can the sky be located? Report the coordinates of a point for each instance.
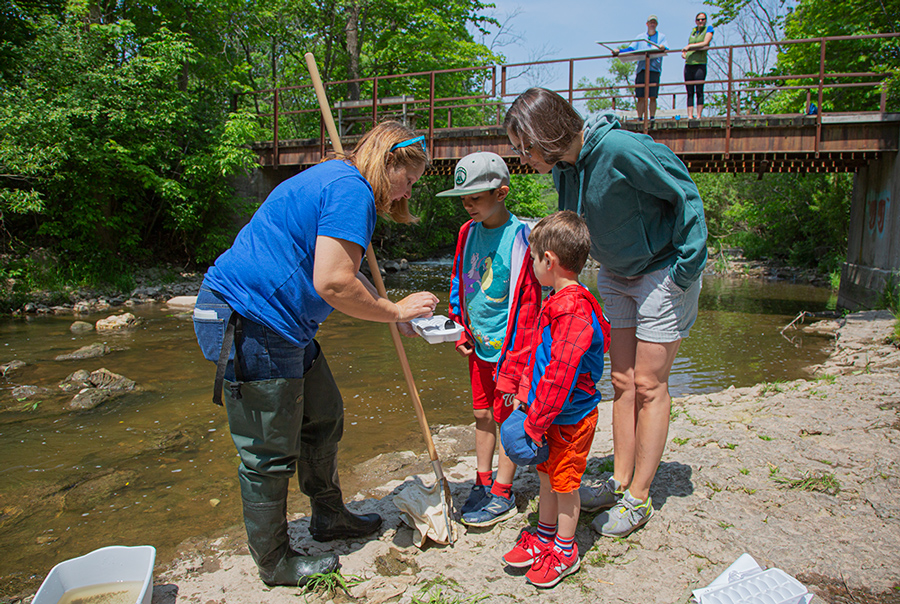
(573, 30)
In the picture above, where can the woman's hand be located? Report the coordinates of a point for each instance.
(337, 279)
(414, 306)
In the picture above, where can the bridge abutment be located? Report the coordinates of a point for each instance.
(873, 249)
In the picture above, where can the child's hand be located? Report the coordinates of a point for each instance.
(465, 349)
(406, 329)
(517, 403)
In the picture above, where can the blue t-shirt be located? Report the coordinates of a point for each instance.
(641, 43)
(267, 273)
(486, 270)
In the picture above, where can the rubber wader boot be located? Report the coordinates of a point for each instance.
(264, 418)
(317, 472)
(267, 537)
(330, 519)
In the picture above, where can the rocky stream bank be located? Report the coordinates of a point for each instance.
(802, 475)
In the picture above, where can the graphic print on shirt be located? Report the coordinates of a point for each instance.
(485, 279)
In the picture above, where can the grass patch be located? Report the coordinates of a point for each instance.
(438, 581)
(330, 584)
(598, 559)
(827, 378)
(772, 387)
(820, 482)
(680, 441)
(744, 471)
(764, 437)
(724, 525)
(730, 446)
(438, 596)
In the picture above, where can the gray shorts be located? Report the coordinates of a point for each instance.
(660, 310)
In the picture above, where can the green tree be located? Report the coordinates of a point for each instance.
(820, 18)
(801, 220)
(774, 20)
(610, 92)
(114, 157)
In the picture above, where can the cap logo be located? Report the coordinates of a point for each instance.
(460, 176)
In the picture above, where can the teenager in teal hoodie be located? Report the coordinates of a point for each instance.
(648, 233)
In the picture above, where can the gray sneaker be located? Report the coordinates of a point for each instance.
(626, 516)
(606, 495)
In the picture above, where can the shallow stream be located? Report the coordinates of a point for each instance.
(158, 467)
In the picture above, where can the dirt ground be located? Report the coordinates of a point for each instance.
(803, 475)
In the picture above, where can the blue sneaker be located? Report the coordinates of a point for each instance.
(478, 497)
(496, 510)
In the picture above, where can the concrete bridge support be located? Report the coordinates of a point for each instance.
(873, 247)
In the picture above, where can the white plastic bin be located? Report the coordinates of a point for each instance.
(437, 329)
(111, 564)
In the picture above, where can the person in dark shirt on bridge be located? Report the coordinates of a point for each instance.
(295, 262)
(648, 232)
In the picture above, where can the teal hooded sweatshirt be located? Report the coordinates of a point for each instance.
(642, 208)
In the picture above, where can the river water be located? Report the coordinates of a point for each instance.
(158, 467)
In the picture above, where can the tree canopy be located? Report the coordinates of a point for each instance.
(117, 135)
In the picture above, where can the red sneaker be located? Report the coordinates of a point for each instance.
(551, 565)
(527, 548)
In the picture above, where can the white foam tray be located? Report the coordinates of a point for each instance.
(772, 586)
(105, 565)
(435, 331)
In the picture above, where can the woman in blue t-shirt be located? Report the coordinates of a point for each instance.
(295, 261)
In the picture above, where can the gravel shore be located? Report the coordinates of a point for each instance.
(802, 475)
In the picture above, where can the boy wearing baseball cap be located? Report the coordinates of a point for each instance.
(495, 296)
(559, 390)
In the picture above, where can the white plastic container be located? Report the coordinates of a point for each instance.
(437, 329)
(114, 564)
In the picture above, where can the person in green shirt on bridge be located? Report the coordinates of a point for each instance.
(694, 55)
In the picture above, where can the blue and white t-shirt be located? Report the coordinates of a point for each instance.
(486, 270)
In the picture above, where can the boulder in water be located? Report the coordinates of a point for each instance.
(97, 349)
(76, 381)
(182, 302)
(10, 366)
(89, 398)
(107, 380)
(122, 321)
(23, 392)
(80, 326)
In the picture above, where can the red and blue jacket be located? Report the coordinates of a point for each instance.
(524, 305)
(559, 384)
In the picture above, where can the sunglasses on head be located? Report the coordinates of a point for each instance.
(412, 141)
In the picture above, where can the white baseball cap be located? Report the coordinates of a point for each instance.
(476, 173)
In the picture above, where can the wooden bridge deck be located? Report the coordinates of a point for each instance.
(755, 144)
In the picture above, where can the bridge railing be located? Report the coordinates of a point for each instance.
(432, 101)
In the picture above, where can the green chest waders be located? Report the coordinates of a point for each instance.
(281, 426)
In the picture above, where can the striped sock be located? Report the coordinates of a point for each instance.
(546, 532)
(483, 478)
(565, 545)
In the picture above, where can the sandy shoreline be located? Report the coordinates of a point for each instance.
(728, 484)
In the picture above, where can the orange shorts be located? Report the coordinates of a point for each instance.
(569, 448)
(484, 390)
